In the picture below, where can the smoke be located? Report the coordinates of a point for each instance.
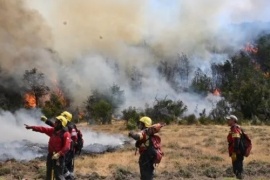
(22, 144)
(91, 44)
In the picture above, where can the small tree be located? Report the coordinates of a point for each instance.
(201, 84)
(102, 105)
(221, 110)
(35, 83)
(132, 116)
(53, 107)
(166, 110)
(102, 111)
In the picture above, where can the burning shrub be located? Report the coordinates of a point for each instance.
(35, 85)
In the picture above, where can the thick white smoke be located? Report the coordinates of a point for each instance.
(22, 144)
(88, 36)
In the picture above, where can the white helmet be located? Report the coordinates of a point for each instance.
(233, 117)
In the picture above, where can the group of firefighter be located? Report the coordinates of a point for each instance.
(62, 147)
(63, 137)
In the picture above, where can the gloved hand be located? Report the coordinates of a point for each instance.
(56, 156)
(43, 118)
(233, 156)
(28, 127)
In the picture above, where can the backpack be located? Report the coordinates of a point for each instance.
(245, 144)
(155, 146)
(155, 142)
(80, 141)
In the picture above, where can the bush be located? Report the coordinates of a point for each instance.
(132, 124)
(101, 105)
(122, 173)
(166, 110)
(191, 119)
(54, 106)
(4, 171)
(131, 113)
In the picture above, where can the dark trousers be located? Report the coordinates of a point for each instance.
(70, 161)
(55, 168)
(146, 166)
(238, 165)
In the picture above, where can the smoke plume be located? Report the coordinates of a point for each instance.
(91, 44)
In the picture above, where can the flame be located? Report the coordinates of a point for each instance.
(30, 100)
(81, 115)
(216, 92)
(61, 96)
(267, 74)
(251, 48)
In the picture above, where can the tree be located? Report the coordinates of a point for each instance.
(53, 107)
(115, 97)
(221, 110)
(263, 53)
(135, 79)
(201, 84)
(176, 71)
(166, 110)
(101, 106)
(244, 84)
(102, 111)
(10, 96)
(35, 83)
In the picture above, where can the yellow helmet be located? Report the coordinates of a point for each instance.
(67, 115)
(63, 120)
(147, 121)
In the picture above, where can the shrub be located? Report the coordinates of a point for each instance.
(191, 119)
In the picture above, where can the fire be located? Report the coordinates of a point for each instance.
(267, 75)
(216, 92)
(61, 96)
(81, 115)
(59, 93)
(30, 100)
(251, 48)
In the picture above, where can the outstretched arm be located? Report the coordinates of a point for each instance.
(41, 129)
(28, 127)
(136, 136)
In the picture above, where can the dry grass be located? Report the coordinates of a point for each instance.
(194, 152)
(196, 149)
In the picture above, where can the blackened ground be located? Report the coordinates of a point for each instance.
(26, 150)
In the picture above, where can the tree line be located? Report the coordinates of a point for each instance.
(243, 81)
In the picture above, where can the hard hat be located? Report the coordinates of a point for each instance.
(63, 120)
(67, 115)
(147, 121)
(233, 117)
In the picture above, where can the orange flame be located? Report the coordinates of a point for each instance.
(251, 48)
(216, 92)
(267, 75)
(29, 100)
(81, 115)
(61, 96)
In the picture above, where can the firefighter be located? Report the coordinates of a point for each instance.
(69, 159)
(69, 171)
(146, 161)
(59, 145)
(233, 139)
